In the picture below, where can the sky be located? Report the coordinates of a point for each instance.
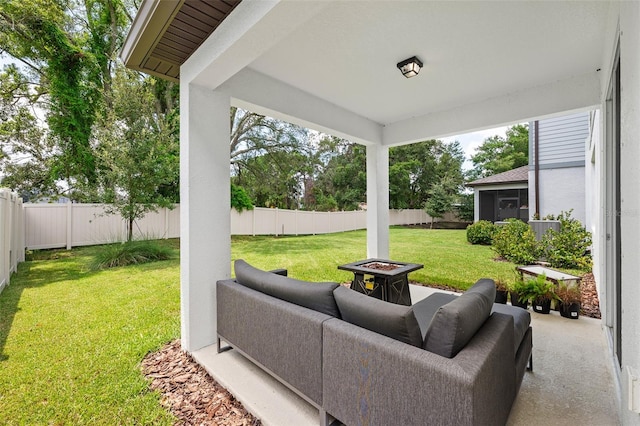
(470, 141)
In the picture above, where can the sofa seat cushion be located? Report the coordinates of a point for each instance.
(389, 319)
(316, 296)
(521, 320)
(425, 309)
(455, 323)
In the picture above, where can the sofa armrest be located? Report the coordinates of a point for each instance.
(283, 338)
(372, 379)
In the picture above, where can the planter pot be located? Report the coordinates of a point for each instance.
(571, 311)
(516, 302)
(542, 306)
(501, 296)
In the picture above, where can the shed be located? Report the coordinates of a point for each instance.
(502, 196)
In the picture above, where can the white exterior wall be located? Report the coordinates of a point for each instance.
(593, 184)
(630, 197)
(560, 190)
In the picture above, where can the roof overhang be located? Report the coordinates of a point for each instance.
(164, 34)
(486, 63)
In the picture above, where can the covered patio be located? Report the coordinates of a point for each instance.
(571, 383)
(331, 66)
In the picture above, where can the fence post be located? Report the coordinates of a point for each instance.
(69, 226)
(23, 232)
(166, 223)
(296, 222)
(276, 224)
(4, 241)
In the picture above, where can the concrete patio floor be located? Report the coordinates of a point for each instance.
(571, 383)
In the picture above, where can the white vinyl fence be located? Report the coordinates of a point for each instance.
(69, 225)
(11, 235)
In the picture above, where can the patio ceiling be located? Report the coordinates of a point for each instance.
(519, 60)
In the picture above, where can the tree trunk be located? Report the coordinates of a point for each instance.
(130, 231)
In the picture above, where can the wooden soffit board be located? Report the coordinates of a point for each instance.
(165, 33)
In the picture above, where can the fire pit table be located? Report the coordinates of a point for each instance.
(383, 279)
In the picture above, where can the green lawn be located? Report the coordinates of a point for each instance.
(447, 257)
(71, 339)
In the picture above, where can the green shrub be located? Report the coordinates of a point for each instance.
(132, 252)
(516, 242)
(537, 289)
(567, 248)
(481, 232)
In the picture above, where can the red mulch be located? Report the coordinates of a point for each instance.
(190, 393)
(590, 302)
(196, 399)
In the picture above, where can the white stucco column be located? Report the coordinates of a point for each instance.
(378, 201)
(205, 240)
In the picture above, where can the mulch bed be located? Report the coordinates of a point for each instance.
(190, 393)
(196, 399)
(590, 303)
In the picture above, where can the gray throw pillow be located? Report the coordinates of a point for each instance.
(388, 319)
(316, 296)
(455, 323)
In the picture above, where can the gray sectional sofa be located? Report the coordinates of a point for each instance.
(454, 360)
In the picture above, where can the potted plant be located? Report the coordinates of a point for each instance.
(569, 298)
(518, 292)
(541, 292)
(502, 291)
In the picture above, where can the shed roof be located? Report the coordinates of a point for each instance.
(521, 174)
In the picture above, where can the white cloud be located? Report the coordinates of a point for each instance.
(470, 141)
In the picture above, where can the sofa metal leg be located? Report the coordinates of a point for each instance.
(222, 348)
(530, 363)
(325, 419)
(328, 420)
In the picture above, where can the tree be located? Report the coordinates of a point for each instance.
(273, 179)
(498, 154)
(135, 150)
(240, 199)
(66, 50)
(441, 197)
(341, 176)
(415, 168)
(465, 210)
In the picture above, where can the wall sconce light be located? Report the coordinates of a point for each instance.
(410, 67)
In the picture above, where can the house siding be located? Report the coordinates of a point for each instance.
(561, 141)
(562, 144)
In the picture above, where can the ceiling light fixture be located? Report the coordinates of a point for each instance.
(410, 67)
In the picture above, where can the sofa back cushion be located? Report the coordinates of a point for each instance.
(455, 323)
(388, 319)
(316, 296)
